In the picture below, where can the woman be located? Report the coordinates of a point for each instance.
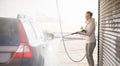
(89, 32)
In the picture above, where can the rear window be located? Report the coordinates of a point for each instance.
(9, 34)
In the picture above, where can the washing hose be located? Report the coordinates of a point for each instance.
(62, 36)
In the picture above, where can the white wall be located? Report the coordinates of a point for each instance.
(10, 8)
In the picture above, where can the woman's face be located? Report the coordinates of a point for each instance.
(88, 16)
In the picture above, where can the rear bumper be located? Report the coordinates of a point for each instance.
(18, 62)
(27, 62)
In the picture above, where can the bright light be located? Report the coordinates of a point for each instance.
(72, 12)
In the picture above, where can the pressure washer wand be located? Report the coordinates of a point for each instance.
(70, 34)
(73, 33)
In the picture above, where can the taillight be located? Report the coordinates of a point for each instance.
(24, 50)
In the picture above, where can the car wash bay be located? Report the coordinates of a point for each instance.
(107, 51)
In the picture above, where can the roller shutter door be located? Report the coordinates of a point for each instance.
(109, 33)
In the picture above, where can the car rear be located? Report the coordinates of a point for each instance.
(14, 47)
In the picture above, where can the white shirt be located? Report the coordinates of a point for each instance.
(90, 31)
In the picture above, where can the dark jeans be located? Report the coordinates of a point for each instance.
(89, 53)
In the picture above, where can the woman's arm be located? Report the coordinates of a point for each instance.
(89, 29)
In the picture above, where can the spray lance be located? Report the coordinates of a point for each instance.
(78, 32)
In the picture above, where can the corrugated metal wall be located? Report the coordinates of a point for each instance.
(109, 33)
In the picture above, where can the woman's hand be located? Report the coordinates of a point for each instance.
(84, 31)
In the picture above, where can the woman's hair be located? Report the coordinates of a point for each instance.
(89, 12)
